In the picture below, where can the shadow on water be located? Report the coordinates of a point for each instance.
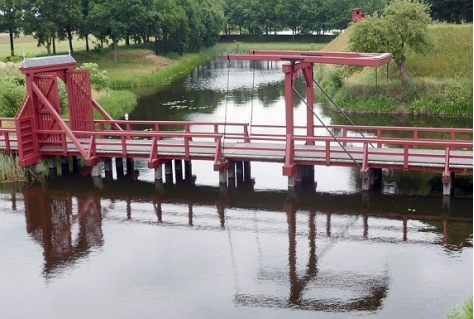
(65, 216)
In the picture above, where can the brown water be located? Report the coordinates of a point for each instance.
(72, 250)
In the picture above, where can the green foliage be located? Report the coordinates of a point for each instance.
(12, 94)
(421, 96)
(332, 79)
(459, 11)
(462, 311)
(117, 103)
(402, 27)
(99, 78)
(9, 169)
(445, 98)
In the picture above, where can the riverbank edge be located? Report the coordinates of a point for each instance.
(421, 96)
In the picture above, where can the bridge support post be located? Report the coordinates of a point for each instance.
(366, 179)
(158, 173)
(222, 177)
(98, 182)
(96, 170)
(108, 168)
(119, 166)
(447, 180)
(188, 170)
(247, 172)
(64, 165)
(239, 172)
(52, 166)
(178, 170)
(130, 166)
(377, 178)
(168, 171)
(291, 182)
(231, 174)
(75, 164)
(307, 176)
(159, 178)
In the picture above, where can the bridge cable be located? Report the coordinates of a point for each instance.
(225, 110)
(327, 129)
(339, 109)
(251, 103)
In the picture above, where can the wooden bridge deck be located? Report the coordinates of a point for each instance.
(444, 150)
(395, 158)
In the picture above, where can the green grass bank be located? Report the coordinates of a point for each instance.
(441, 79)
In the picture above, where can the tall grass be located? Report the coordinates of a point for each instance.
(421, 96)
(449, 58)
(10, 170)
(117, 103)
(461, 311)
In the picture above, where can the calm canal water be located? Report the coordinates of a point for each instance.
(70, 250)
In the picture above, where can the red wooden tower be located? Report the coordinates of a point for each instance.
(39, 122)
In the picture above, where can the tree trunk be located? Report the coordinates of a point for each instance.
(87, 43)
(54, 45)
(114, 39)
(69, 38)
(402, 68)
(12, 48)
(48, 46)
(127, 40)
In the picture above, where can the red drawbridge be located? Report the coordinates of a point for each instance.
(38, 131)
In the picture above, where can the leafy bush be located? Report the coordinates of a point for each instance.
(99, 79)
(11, 96)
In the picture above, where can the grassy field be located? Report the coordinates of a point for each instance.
(441, 78)
(138, 66)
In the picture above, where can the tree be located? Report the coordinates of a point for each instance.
(402, 27)
(452, 11)
(68, 19)
(40, 19)
(289, 13)
(117, 19)
(10, 14)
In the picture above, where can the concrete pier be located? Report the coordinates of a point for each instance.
(96, 170)
(223, 177)
(447, 180)
(159, 173)
(292, 182)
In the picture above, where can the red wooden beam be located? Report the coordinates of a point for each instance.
(341, 58)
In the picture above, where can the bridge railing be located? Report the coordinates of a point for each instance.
(7, 133)
(232, 130)
(144, 144)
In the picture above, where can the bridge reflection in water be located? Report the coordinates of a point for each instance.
(66, 218)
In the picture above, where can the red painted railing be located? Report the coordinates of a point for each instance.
(379, 141)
